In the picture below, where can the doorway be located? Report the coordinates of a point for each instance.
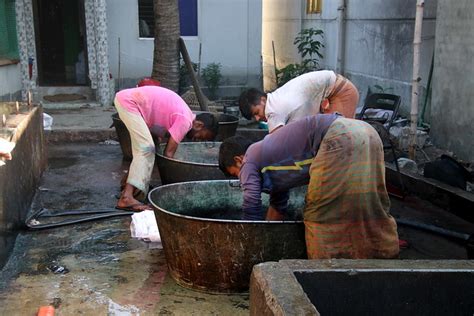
(61, 42)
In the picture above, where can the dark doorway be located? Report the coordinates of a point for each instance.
(61, 42)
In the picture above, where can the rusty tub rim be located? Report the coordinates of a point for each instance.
(229, 221)
(162, 145)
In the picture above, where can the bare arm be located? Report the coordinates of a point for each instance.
(171, 148)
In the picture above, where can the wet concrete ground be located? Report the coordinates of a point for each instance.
(109, 273)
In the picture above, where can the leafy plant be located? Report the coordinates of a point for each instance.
(309, 46)
(212, 76)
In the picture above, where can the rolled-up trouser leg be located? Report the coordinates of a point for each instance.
(143, 149)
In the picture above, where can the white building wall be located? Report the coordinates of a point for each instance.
(10, 83)
(378, 43)
(452, 112)
(281, 21)
(229, 33)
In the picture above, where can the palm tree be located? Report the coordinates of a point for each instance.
(167, 32)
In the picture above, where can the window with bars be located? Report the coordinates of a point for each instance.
(187, 18)
(314, 6)
(8, 38)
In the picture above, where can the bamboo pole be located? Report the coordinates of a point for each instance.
(416, 77)
(197, 89)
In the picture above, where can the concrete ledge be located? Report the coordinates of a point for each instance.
(454, 200)
(354, 287)
(71, 105)
(20, 176)
(274, 290)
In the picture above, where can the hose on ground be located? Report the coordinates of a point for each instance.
(32, 220)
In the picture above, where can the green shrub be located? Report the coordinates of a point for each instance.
(309, 48)
(211, 74)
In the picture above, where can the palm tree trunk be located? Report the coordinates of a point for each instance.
(167, 32)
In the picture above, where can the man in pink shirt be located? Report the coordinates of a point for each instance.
(155, 110)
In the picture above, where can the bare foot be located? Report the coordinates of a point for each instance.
(131, 204)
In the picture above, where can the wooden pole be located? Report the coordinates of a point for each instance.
(416, 78)
(200, 96)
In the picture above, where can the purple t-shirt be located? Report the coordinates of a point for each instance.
(280, 162)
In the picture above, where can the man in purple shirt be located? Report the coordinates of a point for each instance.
(347, 206)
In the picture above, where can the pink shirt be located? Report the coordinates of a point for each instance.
(162, 109)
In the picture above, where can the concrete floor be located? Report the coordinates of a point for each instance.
(109, 273)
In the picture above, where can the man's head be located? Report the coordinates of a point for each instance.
(252, 104)
(231, 154)
(204, 127)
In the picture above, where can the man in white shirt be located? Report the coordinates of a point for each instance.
(311, 93)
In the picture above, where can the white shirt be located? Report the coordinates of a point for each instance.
(298, 98)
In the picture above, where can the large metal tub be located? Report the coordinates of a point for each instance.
(192, 162)
(227, 125)
(207, 247)
(123, 137)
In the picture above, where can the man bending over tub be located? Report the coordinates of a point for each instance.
(148, 110)
(346, 214)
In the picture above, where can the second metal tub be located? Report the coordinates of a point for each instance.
(192, 162)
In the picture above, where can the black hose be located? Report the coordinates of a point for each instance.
(434, 229)
(97, 214)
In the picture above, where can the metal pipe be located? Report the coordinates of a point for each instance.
(434, 229)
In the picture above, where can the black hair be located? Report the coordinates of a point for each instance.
(210, 122)
(231, 147)
(249, 98)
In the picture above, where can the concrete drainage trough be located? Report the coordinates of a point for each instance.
(363, 287)
(20, 176)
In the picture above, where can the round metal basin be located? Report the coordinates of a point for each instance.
(192, 161)
(123, 137)
(227, 125)
(208, 247)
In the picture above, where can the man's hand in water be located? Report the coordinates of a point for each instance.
(171, 148)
